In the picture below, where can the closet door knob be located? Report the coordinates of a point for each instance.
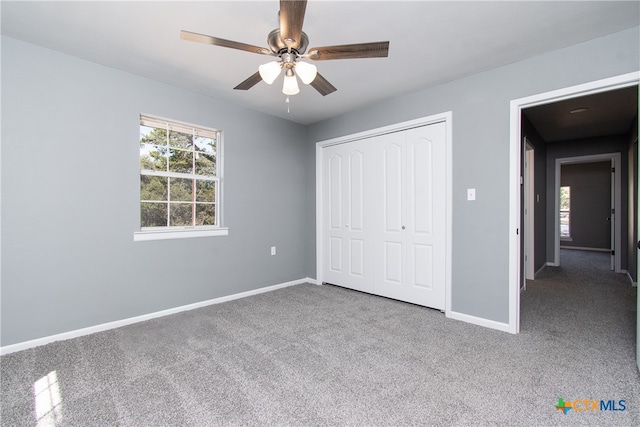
(403, 227)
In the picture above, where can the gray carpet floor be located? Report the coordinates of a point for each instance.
(321, 355)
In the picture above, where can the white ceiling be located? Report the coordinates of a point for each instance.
(430, 42)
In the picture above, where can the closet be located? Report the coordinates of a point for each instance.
(383, 208)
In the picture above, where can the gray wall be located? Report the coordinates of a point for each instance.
(480, 106)
(590, 204)
(586, 147)
(70, 198)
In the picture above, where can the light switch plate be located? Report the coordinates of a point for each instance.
(471, 193)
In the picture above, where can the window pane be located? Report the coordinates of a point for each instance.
(150, 135)
(181, 189)
(181, 214)
(205, 214)
(205, 191)
(205, 164)
(565, 211)
(180, 140)
(153, 157)
(564, 224)
(565, 198)
(180, 161)
(145, 131)
(205, 145)
(153, 214)
(153, 188)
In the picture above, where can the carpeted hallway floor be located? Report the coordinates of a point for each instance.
(322, 355)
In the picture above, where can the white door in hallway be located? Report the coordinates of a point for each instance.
(409, 224)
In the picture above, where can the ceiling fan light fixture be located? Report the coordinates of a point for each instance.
(288, 43)
(307, 72)
(290, 86)
(269, 71)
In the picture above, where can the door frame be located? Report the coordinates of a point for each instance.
(515, 173)
(616, 196)
(445, 117)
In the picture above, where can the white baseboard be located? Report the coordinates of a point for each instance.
(492, 324)
(551, 264)
(124, 322)
(634, 284)
(585, 248)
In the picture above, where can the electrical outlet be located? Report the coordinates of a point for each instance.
(273, 250)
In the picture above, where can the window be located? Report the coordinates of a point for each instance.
(180, 180)
(565, 212)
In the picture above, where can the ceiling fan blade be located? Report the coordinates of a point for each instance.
(201, 38)
(291, 19)
(250, 82)
(348, 51)
(322, 85)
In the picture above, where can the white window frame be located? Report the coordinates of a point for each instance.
(181, 232)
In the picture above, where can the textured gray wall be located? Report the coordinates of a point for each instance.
(590, 204)
(70, 198)
(480, 106)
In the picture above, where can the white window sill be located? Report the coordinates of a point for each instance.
(141, 236)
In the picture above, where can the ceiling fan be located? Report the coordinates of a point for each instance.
(288, 44)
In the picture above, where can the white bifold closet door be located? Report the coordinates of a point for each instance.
(384, 215)
(348, 252)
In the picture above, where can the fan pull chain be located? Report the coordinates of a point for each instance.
(287, 101)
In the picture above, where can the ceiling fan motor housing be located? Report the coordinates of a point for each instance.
(278, 46)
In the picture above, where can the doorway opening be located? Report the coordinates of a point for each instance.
(517, 177)
(598, 176)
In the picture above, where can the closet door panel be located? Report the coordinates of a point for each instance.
(391, 171)
(392, 263)
(420, 186)
(426, 215)
(335, 254)
(347, 259)
(334, 198)
(422, 266)
(389, 250)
